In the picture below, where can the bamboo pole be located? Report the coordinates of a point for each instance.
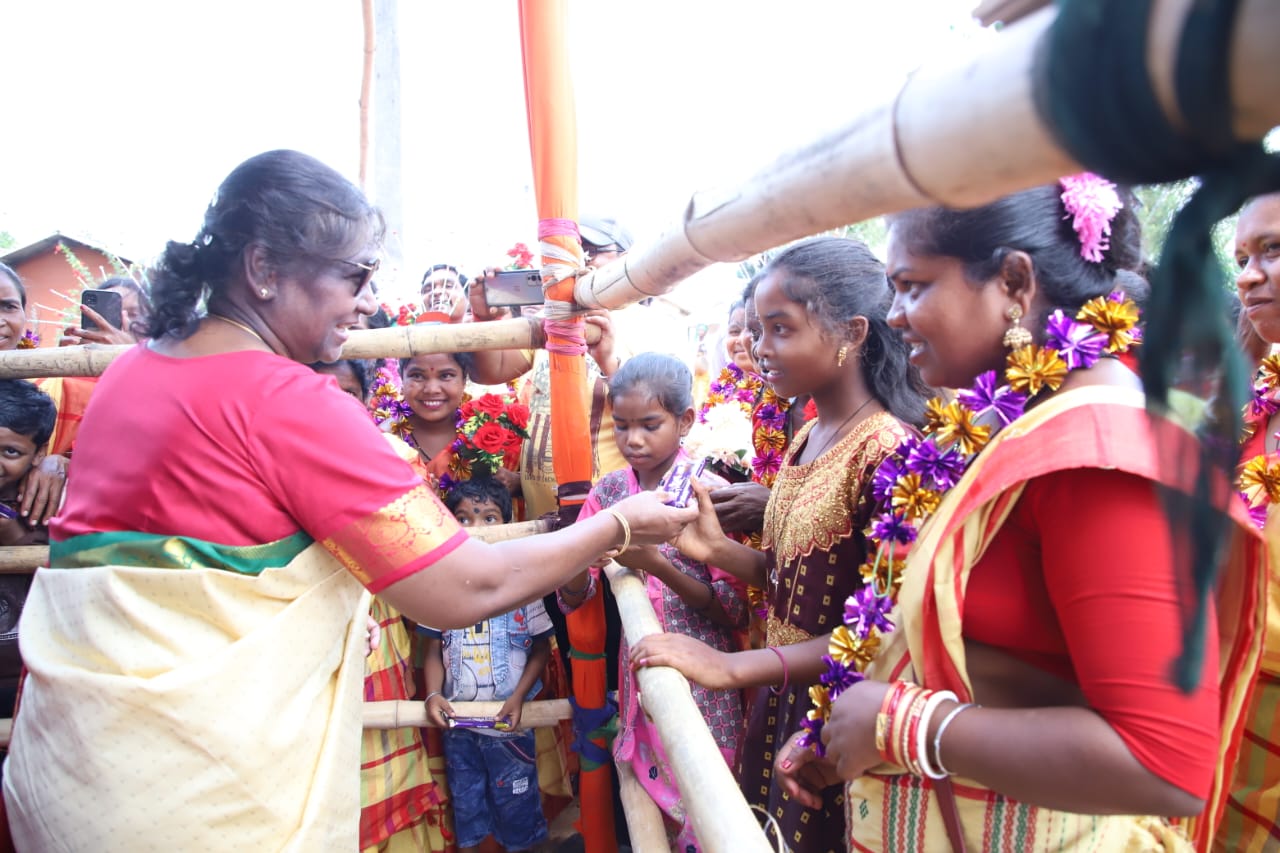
(645, 824)
(20, 559)
(397, 714)
(366, 86)
(721, 817)
(955, 135)
(393, 342)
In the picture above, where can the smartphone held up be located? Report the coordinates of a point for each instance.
(108, 304)
(513, 288)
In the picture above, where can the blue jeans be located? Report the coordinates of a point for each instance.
(493, 782)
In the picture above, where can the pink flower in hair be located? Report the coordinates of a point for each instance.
(1091, 202)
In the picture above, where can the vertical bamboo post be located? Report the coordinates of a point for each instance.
(645, 824)
(366, 87)
(722, 820)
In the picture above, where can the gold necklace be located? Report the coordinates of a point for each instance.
(241, 326)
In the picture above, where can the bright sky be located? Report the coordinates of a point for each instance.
(123, 116)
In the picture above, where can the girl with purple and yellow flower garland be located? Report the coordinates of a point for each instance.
(823, 308)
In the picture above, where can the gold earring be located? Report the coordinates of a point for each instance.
(841, 356)
(265, 293)
(1016, 337)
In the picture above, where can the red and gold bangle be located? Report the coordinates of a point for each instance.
(910, 730)
(902, 715)
(884, 719)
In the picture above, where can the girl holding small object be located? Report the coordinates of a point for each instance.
(652, 399)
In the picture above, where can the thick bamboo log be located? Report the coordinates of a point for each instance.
(645, 825)
(721, 817)
(19, 559)
(393, 342)
(505, 532)
(960, 135)
(397, 714)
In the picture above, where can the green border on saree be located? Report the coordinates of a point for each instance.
(153, 551)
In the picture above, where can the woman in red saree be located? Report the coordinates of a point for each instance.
(1042, 603)
(195, 652)
(1252, 820)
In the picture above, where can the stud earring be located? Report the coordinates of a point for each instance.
(841, 356)
(265, 293)
(1016, 337)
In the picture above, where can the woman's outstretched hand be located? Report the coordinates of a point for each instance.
(694, 659)
(801, 774)
(653, 522)
(849, 734)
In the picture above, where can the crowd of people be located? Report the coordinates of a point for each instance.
(933, 601)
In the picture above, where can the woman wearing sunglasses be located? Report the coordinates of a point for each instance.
(196, 651)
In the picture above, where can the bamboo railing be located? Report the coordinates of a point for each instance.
(722, 820)
(397, 714)
(393, 342)
(959, 135)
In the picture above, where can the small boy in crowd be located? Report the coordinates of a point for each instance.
(492, 771)
(27, 417)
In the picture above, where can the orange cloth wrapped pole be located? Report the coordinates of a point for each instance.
(553, 145)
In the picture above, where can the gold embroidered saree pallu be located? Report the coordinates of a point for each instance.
(1097, 427)
(228, 718)
(1252, 819)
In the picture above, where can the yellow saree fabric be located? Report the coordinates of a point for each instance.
(889, 811)
(1252, 820)
(228, 720)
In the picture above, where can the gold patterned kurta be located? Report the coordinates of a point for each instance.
(813, 537)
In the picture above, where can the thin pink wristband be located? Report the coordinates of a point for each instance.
(786, 673)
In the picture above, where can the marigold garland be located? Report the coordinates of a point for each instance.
(768, 436)
(1259, 478)
(732, 385)
(911, 483)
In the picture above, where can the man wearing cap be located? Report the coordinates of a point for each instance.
(603, 240)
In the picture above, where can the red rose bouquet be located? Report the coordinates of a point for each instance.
(491, 429)
(521, 257)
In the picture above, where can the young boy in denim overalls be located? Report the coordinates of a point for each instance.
(493, 774)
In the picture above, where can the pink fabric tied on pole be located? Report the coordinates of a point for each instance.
(565, 336)
(557, 227)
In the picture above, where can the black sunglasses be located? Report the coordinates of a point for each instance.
(589, 252)
(369, 270)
